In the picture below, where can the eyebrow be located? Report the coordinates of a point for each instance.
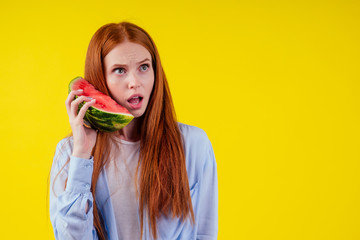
(146, 59)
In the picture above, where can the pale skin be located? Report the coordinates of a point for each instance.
(128, 70)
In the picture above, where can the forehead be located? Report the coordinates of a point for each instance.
(127, 53)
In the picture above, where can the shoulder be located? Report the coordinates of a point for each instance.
(63, 150)
(65, 144)
(193, 135)
(198, 150)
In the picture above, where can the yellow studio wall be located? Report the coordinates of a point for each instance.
(275, 85)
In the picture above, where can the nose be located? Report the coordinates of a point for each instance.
(133, 81)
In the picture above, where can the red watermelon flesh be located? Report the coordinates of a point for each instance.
(103, 101)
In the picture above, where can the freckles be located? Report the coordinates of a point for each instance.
(113, 82)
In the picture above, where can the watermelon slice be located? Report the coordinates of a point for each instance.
(105, 114)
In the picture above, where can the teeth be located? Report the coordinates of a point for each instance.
(134, 100)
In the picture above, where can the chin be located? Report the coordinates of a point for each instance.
(137, 113)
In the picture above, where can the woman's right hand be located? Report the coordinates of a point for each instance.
(84, 138)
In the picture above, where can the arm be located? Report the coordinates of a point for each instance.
(71, 211)
(208, 199)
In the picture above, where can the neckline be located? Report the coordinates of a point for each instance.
(127, 142)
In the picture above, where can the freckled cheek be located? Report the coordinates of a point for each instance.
(116, 92)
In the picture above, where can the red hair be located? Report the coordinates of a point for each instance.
(164, 187)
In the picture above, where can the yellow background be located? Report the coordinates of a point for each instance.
(273, 83)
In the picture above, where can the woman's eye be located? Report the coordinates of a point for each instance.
(120, 69)
(144, 65)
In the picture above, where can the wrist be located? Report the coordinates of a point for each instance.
(81, 155)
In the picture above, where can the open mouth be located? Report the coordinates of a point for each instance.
(135, 100)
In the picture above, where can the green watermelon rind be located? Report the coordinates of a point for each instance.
(102, 120)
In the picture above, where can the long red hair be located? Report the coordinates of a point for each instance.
(164, 187)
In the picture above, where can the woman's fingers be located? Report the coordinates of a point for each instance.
(70, 98)
(74, 106)
(85, 107)
(84, 138)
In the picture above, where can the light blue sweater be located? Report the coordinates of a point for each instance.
(67, 209)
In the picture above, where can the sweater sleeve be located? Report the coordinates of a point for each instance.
(68, 214)
(208, 198)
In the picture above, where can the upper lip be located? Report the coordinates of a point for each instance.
(135, 95)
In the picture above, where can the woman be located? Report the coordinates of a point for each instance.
(94, 192)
